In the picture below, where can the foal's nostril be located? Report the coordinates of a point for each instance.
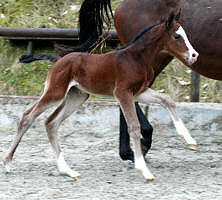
(194, 55)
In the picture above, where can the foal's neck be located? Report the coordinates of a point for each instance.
(146, 48)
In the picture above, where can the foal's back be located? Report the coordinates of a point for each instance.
(99, 73)
(95, 73)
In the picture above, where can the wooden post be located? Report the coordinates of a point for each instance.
(30, 48)
(195, 87)
(146, 111)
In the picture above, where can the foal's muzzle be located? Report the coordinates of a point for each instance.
(191, 58)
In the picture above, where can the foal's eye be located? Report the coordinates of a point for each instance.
(176, 36)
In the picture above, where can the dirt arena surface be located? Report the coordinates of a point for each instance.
(92, 150)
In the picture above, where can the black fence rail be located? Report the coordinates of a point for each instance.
(32, 35)
(46, 34)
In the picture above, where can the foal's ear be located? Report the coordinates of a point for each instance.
(177, 17)
(170, 20)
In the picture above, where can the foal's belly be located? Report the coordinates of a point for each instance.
(96, 91)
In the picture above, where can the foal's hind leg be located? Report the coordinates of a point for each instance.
(48, 99)
(28, 117)
(151, 96)
(73, 100)
(16, 142)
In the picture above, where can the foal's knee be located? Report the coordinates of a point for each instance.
(25, 122)
(134, 131)
(167, 101)
(49, 125)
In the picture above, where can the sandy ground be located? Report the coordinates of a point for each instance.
(180, 173)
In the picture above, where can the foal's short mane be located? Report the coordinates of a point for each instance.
(139, 35)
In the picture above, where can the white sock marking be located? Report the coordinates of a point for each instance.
(183, 132)
(64, 169)
(141, 166)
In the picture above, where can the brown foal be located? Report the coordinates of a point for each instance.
(125, 73)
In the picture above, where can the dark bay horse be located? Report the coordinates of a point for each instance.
(202, 21)
(125, 73)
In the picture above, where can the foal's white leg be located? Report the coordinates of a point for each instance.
(129, 111)
(151, 96)
(73, 100)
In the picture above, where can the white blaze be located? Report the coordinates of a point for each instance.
(192, 53)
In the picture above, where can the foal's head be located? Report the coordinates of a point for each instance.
(176, 41)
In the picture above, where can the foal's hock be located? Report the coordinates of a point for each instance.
(125, 74)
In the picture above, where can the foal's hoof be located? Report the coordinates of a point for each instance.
(192, 147)
(76, 177)
(71, 174)
(7, 165)
(147, 175)
(149, 178)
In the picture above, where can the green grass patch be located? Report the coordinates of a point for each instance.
(28, 79)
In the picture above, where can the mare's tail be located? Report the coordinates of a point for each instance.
(92, 15)
(30, 58)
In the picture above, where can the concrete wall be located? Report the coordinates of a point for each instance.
(101, 117)
(198, 117)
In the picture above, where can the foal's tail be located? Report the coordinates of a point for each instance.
(92, 15)
(30, 58)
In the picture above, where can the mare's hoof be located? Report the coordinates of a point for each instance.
(127, 156)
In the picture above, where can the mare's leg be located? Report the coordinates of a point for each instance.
(74, 99)
(125, 151)
(127, 104)
(151, 96)
(146, 130)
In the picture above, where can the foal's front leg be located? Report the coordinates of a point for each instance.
(125, 151)
(151, 96)
(129, 111)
